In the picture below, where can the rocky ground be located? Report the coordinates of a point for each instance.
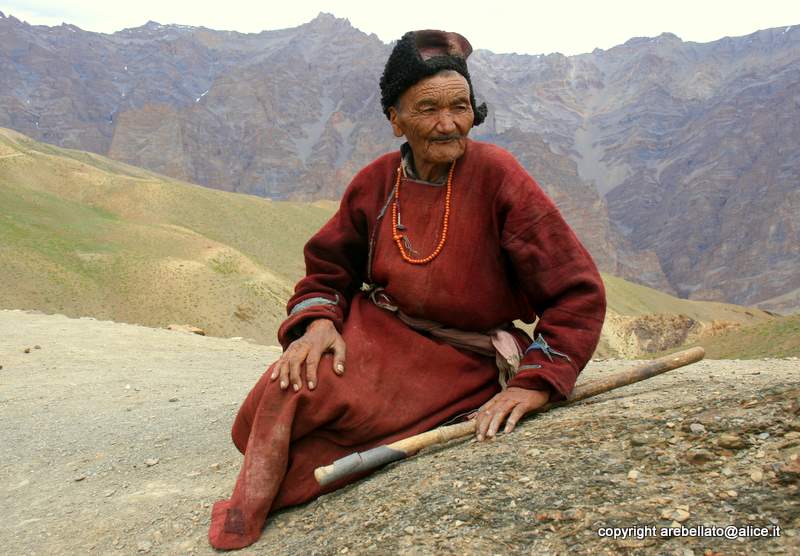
(115, 441)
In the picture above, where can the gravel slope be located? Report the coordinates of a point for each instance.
(115, 441)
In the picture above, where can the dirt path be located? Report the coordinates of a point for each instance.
(115, 441)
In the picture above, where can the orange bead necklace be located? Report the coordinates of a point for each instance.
(398, 237)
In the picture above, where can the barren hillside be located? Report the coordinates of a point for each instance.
(116, 441)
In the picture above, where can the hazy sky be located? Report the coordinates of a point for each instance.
(567, 26)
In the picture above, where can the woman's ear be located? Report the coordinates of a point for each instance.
(394, 120)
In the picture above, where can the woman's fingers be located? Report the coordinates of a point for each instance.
(297, 355)
(307, 352)
(483, 417)
(498, 417)
(294, 373)
(516, 414)
(339, 352)
(510, 406)
(312, 362)
(484, 420)
(491, 416)
(283, 365)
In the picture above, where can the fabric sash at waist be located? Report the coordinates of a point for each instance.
(496, 342)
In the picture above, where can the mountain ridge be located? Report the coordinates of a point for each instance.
(676, 143)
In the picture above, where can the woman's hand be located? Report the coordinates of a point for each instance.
(510, 406)
(321, 336)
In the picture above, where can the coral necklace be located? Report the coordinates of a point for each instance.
(398, 237)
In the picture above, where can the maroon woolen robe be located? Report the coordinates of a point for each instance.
(508, 255)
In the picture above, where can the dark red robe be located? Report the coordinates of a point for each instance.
(508, 255)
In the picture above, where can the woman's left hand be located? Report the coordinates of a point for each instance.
(510, 406)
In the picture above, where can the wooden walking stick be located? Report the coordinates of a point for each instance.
(364, 461)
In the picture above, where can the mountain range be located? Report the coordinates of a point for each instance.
(677, 163)
(87, 236)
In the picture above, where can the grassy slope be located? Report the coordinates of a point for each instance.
(774, 338)
(627, 298)
(85, 235)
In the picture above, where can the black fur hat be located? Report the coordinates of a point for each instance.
(420, 54)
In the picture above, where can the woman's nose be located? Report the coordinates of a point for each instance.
(446, 122)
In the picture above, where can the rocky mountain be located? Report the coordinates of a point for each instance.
(676, 162)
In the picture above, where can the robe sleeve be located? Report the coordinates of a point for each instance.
(335, 260)
(560, 283)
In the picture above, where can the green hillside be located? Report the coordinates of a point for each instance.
(778, 337)
(84, 235)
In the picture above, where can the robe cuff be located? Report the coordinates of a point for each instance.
(303, 311)
(547, 380)
(544, 368)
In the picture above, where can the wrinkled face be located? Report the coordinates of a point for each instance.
(435, 116)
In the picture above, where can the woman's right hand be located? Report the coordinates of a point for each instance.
(321, 336)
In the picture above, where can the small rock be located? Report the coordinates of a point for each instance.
(699, 457)
(639, 440)
(144, 546)
(79, 478)
(763, 435)
(731, 493)
(633, 474)
(109, 493)
(409, 530)
(187, 328)
(37, 347)
(727, 472)
(173, 399)
(150, 462)
(756, 476)
(26, 350)
(697, 428)
(676, 514)
(214, 466)
(790, 472)
(730, 441)
(127, 387)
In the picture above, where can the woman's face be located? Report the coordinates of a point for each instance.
(435, 115)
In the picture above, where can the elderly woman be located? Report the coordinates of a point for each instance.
(403, 320)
